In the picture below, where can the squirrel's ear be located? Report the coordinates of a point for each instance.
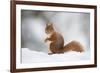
(51, 24)
(47, 23)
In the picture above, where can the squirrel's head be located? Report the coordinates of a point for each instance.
(49, 28)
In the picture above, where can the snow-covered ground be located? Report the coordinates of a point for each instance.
(29, 56)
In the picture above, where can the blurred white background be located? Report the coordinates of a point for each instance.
(5, 36)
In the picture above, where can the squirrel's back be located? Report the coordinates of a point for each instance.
(56, 46)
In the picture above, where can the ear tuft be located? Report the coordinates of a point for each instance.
(51, 24)
(47, 23)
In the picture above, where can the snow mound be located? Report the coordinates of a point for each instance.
(29, 56)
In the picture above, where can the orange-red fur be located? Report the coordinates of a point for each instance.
(57, 42)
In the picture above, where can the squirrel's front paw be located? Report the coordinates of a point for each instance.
(46, 39)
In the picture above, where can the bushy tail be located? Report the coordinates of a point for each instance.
(73, 46)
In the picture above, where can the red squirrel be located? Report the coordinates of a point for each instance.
(57, 41)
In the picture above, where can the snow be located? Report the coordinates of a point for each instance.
(29, 56)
